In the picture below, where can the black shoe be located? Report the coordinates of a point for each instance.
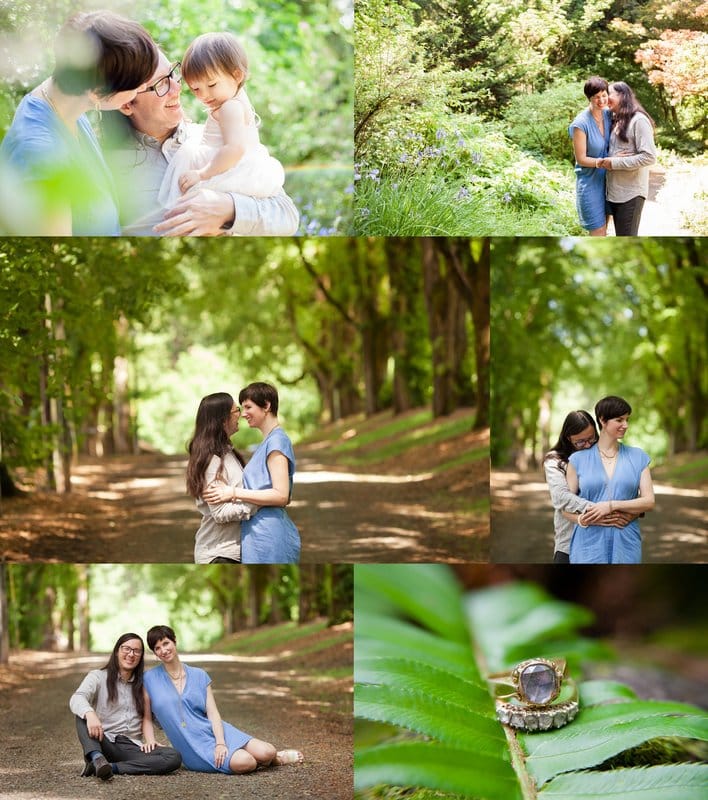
(88, 770)
(102, 769)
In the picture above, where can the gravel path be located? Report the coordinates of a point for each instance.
(134, 509)
(270, 697)
(522, 522)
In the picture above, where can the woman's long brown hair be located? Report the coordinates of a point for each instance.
(209, 439)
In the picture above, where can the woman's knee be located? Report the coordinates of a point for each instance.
(242, 762)
(263, 752)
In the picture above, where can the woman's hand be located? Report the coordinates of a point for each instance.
(220, 753)
(618, 519)
(217, 493)
(93, 723)
(148, 747)
(594, 513)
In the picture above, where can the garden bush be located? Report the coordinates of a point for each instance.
(538, 123)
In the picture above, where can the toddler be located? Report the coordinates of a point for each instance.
(229, 156)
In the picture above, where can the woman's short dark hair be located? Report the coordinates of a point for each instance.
(575, 422)
(594, 85)
(159, 632)
(103, 52)
(261, 394)
(611, 407)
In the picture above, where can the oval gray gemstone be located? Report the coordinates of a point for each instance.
(538, 683)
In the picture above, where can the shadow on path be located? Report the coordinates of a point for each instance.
(135, 509)
(522, 522)
(40, 757)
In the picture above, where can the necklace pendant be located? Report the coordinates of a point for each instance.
(184, 724)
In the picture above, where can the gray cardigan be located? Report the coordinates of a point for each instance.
(629, 176)
(563, 500)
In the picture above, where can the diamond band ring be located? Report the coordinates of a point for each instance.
(535, 695)
(539, 718)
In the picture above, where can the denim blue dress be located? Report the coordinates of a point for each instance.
(270, 536)
(589, 181)
(39, 150)
(184, 720)
(598, 544)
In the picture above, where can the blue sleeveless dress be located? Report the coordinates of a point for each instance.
(184, 720)
(598, 544)
(270, 536)
(590, 182)
(39, 151)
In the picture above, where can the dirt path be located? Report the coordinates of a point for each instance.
(522, 522)
(134, 509)
(271, 697)
(676, 205)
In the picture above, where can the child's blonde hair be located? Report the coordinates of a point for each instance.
(211, 53)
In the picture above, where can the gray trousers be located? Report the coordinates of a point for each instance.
(127, 756)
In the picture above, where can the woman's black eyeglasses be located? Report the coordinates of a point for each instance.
(162, 85)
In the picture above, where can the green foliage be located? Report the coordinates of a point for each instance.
(607, 317)
(446, 69)
(300, 63)
(202, 603)
(459, 178)
(425, 717)
(538, 123)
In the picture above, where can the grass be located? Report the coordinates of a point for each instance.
(266, 638)
(396, 426)
(689, 469)
(401, 435)
(465, 458)
(322, 195)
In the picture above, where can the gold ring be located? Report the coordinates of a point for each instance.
(536, 681)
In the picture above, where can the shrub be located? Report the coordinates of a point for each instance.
(538, 123)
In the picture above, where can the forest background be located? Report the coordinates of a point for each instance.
(575, 320)
(81, 607)
(462, 109)
(108, 346)
(300, 61)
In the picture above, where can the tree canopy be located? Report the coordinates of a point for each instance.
(574, 320)
(106, 344)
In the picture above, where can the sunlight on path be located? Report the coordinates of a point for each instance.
(357, 477)
(676, 202)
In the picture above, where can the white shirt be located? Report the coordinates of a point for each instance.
(219, 534)
(117, 718)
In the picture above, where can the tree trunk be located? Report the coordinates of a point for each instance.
(407, 326)
(4, 621)
(308, 593)
(342, 593)
(446, 321)
(82, 608)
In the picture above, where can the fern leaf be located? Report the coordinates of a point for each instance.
(436, 766)
(670, 782)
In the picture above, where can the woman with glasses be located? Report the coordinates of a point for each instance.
(269, 536)
(578, 432)
(213, 458)
(50, 157)
(109, 706)
(614, 478)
